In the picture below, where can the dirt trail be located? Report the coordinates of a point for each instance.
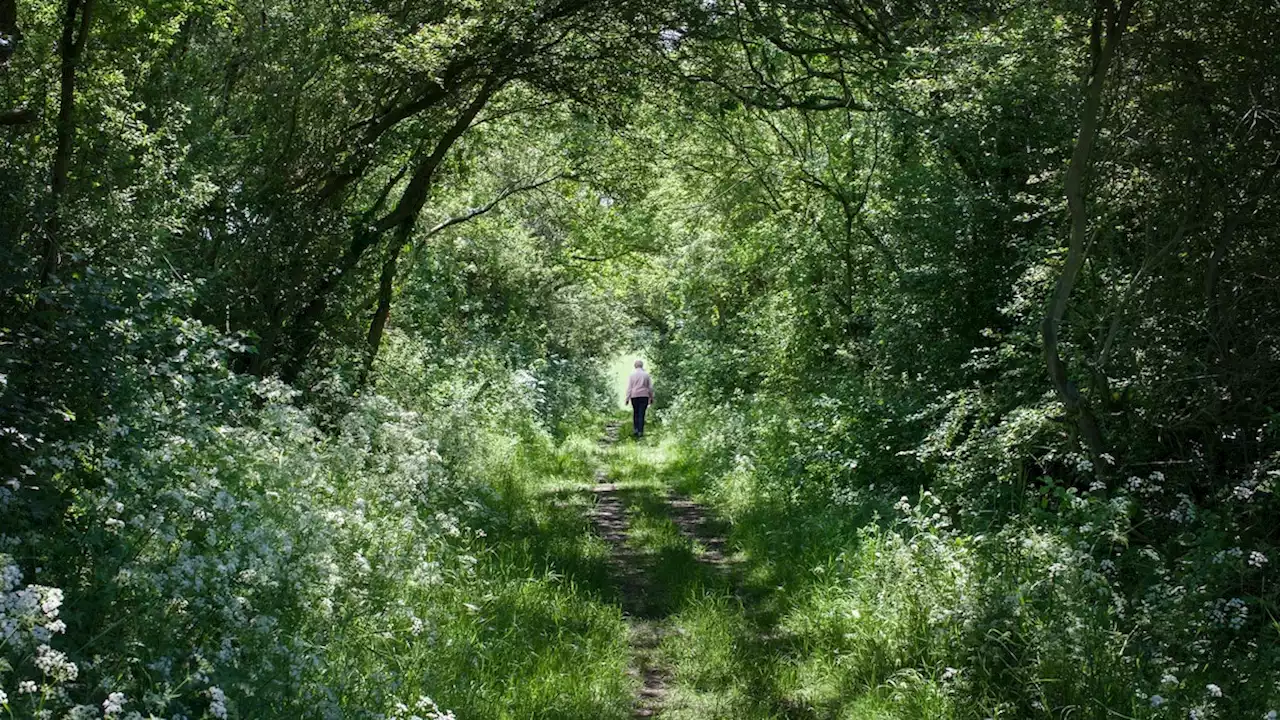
(694, 523)
(633, 574)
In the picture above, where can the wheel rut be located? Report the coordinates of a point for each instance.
(633, 575)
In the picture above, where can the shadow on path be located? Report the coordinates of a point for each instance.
(663, 547)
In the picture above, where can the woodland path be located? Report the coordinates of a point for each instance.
(645, 586)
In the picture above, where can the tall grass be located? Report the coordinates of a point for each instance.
(888, 607)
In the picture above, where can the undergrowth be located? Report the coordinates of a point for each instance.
(860, 604)
(193, 543)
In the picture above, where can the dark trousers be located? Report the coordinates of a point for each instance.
(638, 406)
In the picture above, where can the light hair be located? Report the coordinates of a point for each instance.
(639, 363)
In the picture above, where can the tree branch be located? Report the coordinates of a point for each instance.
(305, 324)
(386, 280)
(1103, 53)
(18, 116)
(476, 212)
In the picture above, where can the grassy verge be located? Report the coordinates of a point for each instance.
(534, 631)
(814, 617)
(780, 635)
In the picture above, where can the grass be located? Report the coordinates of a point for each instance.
(780, 635)
(713, 646)
(780, 631)
(537, 632)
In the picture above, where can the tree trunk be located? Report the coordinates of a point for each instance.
(1107, 29)
(70, 48)
(306, 323)
(10, 36)
(9, 30)
(386, 286)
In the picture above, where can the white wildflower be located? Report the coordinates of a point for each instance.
(362, 564)
(52, 601)
(113, 704)
(10, 576)
(82, 712)
(1156, 701)
(1240, 613)
(1257, 559)
(27, 687)
(429, 706)
(217, 703)
(55, 664)
(1213, 690)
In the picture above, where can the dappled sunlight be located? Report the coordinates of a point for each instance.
(595, 360)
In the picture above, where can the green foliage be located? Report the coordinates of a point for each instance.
(854, 316)
(211, 550)
(303, 307)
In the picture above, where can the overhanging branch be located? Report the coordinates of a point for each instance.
(476, 212)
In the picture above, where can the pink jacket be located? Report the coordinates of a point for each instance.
(639, 385)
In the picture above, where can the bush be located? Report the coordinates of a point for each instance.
(985, 591)
(180, 540)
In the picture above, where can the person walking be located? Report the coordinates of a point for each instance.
(639, 396)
